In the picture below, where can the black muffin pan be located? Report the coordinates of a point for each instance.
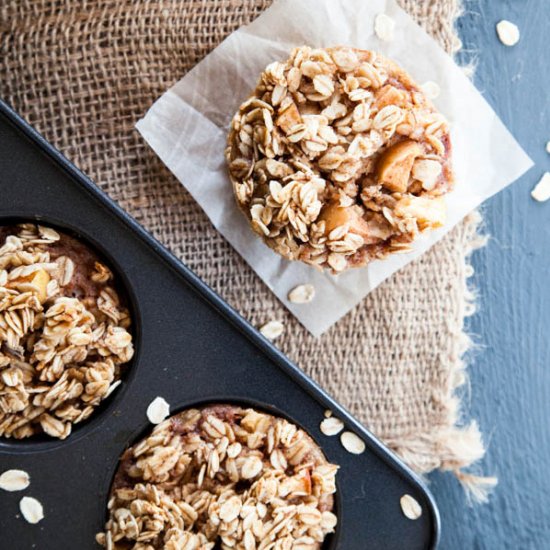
(191, 349)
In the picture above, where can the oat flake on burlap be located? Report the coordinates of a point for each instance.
(84, 71)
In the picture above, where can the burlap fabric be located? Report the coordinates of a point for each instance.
(84, 71)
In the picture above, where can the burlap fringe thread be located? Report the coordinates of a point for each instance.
(457, 447)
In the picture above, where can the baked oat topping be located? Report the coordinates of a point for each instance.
(31, 509)
(63, 332)
(410, 507)
(222, 477)
(14, 480)
(338, 158)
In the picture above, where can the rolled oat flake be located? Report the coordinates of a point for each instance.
(14, 480)
(541, 191)
(410, 507)
(31, 509)
(158, 410)
(508, 33)
(272, 330)
(431, 89)
(352, 443)
(331, 426)
(302, 294)
(384, 27)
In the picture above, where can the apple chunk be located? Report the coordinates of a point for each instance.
(335, 216)
(395, 165)
(430, 213)
(36, 282)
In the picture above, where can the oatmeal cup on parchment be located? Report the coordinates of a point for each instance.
(222, 477)
(338, 158)
(64, 331)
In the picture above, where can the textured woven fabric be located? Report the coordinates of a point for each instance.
(83, 73)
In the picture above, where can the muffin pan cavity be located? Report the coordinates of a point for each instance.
(223, 472)
(67, 332)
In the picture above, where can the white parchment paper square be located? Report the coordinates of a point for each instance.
(187, 128)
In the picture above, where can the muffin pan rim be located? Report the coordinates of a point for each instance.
(201, 291)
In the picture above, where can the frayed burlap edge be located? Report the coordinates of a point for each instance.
(458, 446)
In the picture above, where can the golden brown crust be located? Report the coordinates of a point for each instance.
(222, 475)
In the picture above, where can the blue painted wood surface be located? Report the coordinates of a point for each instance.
(509, 389)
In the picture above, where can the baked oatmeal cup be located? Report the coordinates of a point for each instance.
(64, 331)
(222, 477)
(338, 158)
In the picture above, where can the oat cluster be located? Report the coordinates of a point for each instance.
(222, 477)
(60, 355)
(338, 158)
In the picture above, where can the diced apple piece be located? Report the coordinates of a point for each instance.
(430, 213)
(37, 282)
(335, 216)
(40, 280)
(395, 165)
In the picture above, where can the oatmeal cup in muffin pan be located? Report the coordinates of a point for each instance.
(222, 477)
(338, 158)
(64, 332)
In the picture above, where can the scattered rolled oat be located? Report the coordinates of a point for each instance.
(112, 388)
(158, 410)
(352, 443)
(327, 413)
(222, 477)
(14, 480)
(431, 89)
(332, 426)
(384, 27)
(508, 33)
(327, 158)
(541, 191)
(302, 294)
(64, 335)
(31, 509)
(272, 330)
(410, 507)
